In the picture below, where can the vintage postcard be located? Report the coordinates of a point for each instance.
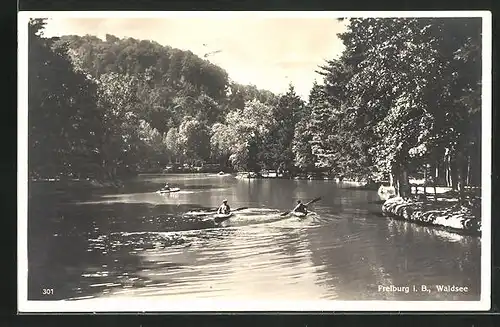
(254, 161)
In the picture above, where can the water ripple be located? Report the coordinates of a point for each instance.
(142, 244)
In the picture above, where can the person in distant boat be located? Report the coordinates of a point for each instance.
(224, 208)
(166, 187)
(300, 207)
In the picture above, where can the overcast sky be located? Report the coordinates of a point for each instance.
(268, 52)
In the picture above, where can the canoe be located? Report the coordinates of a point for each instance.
(172, 190)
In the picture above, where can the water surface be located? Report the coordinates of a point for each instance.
(137, 243)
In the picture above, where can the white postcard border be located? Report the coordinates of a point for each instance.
(149, 305)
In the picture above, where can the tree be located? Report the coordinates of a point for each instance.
(240, 138)
(121, 144)
(172, 143)
(62, 113)
(194, 139)
(288, 111)
(310, 129)
(127, 104)
(395, 91)
(155, 149)
(301, 147)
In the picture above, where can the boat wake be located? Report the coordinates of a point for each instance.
(197, 226)
(256, 216)
(175, 193)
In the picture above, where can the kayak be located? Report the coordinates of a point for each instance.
(198, 213)
(299, 214)
(219, 217)
(171, 190)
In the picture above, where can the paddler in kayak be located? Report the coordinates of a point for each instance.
(300, 208)
(166, 187)
(224, 208)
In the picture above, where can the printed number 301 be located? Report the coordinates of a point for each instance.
(47, 291)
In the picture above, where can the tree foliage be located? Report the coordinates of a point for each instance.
(401, 96)
(240, 138)
(404, 97)
(106, 107)
(62, 107)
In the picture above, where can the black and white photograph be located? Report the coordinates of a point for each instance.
(254, 161)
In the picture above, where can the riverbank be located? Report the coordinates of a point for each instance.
(444, 212)
(346, 183)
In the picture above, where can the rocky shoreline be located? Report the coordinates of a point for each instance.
(442, 213)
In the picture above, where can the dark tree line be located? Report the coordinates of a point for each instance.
(403, 99)
(107, 108)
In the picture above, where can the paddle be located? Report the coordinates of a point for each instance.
(238, 209)
(306, 204)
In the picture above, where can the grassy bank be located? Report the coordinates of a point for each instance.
(444, 211)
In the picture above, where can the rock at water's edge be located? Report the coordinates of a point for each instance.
(452, 216)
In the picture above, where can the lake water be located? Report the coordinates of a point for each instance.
(137, 243)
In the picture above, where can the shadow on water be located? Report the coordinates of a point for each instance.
(71, 246)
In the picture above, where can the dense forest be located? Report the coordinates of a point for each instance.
(404, 98)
